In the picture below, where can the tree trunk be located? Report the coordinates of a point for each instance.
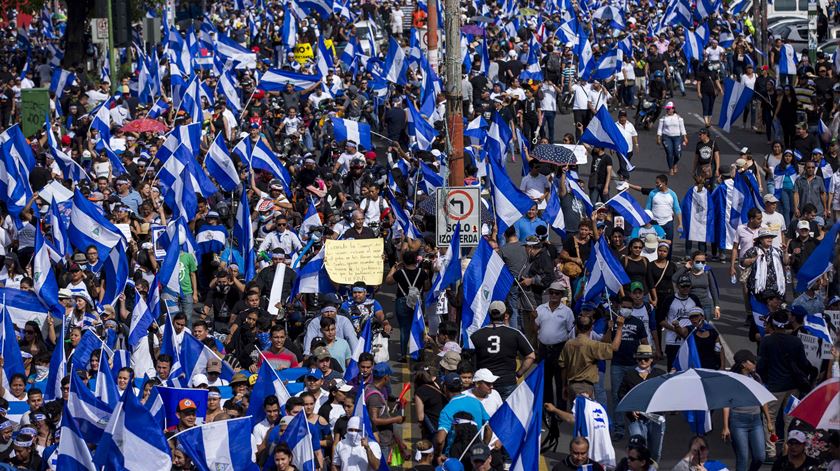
(75, 40)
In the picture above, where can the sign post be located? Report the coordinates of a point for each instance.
(34, 106)
(454, 205)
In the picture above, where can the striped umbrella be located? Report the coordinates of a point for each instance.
(695, 389)
(821, 407)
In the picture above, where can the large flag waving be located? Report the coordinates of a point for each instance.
(518, 421)
(133, 440)
(219, 445)
(605, 272)
(487, 279)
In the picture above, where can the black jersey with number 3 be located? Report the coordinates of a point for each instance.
(497, 347)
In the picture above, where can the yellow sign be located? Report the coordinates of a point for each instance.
(349, 261)
(304, 52)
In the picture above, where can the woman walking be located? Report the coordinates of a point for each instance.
(743, 425)
(672, 136)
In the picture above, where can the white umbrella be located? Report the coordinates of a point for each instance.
(695, 389)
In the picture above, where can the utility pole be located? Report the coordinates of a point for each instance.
(454, 104)
(112, 58)
(432, 34)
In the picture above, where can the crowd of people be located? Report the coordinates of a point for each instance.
(274, 173)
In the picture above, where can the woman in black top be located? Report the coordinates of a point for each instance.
(708, 88)
(407, 275)
(428, 402)
(707, 339)
(659, 274)
(786, 114)
(635, 265)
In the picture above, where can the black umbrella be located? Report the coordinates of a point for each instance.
(429, 207)
(554, 154)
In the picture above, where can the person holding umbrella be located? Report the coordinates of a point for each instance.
(644, 426)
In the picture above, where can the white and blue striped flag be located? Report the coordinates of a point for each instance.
(58, 368)
(242, 233)
(553, 213)
(310, 219)
(106, 387)
(518, 421)
(73, 453)
(486, 279)
(396, 65)
(351, 130)
(43, 275)
(627, 206)
(90, 414)
(299, 438)
(220, 166)
(450, 271)
(9, 348)
(422, 132)
(687, 357)
(736, 96)
(819, 262)
(275, 80)
(787, 59)
(133, 439)
(509, 202)
(606, 273)
(603, 132)
(699, 215)
(268, 383)
(815, 325)
(416, 340)
(608, 64)
(61, 80)
(219, 445)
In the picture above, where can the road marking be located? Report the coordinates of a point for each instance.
(718, 134)
(727, 352)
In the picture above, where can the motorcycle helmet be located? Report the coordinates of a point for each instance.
(658, 74)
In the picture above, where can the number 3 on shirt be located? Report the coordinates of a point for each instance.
(495, 344)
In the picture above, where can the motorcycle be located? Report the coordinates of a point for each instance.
(647, 112)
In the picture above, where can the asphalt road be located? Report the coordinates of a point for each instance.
(650, 161)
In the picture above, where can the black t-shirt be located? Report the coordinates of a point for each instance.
(599, 169)
(705, 151)
(632, 335)
(656, 62)
(433, 402)
(529, 111)
(496, 348)
(406, 278)
(707, 82)
(572, 248)
(782, 464)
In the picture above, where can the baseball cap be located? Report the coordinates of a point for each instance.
(214, 365)
(479, 452)
(797, 436)
(186, 405)
(557, 286)
(802, 224)
(684, 280)
(198, 380)
(744, 355)
(636, 285)
(212, 214)
(669, 105)
(450, 361)
(637, 441)
(380, 370)
(498, 306)
(452, 380)
(770, 198)
(314, 373)
(321, 353)
(696, 311)
(485, 376)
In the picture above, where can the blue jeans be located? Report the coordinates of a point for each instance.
(747, 440)
(601, 390)
(617, 373)
(653, 431)
(597, 194)
(404, 316)
(182, 303)
(629, 95)
(548, 125)
(786, 205)
(673, 150)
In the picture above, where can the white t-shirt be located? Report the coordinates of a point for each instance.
(663, 207)
(628, 72)
(555, 326)
(491, 403)
(535, 187)
(628, 131)
(372, 210)
(580, 97)
(549, 99)
(713, 53)
(776, 223)
(344, 161)
(347, 457)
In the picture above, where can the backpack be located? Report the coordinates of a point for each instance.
(412, 297)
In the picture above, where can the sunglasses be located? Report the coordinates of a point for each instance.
(554, 291)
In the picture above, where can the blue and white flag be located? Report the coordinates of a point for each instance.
(289, 30)
(787, 60)
(603, 132)
(509, 202)
(627, 206)
(396, 65)
(195, 355)
(586, 59)
(606, 273)
(325, 60)
(170, 397)
(726, 224)
(70, 169)
(313, 277)
(228, 87)
(23, 306)
(450, 271)
(759, 311)
(43, 276)
(364, 345)
(133, 440)
(169, 271)
(90, 414)
(243, 234)
(477, 128)
(815, 325)
(688, 357)
(58, 230)
(486, 279)
(694, 45)
(518, 421)
(275, 80)
(736, 96)
(699, 215)
(211, 239)
(705, 8)
(350, 130)
(791, 404)
(299, 438)
(406, 224)
(416, 340)
(181, 196)
(73, 453)
(220, 166)
(12, 359)
(532, 70)
(191, 101)
(159, 108)
(573, 182)
(106, 387)
(88, 226)
(61, 80)
(261, 157)
(422, 132)
(553, 213)
(608, 65)
(819, 262)
(141, 320)
(267, 384)
(219, 445)
(429, 179)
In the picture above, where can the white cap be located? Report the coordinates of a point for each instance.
(621, 185)
(798, 436)
(668, 105)
(802, 224)
(485, 375)
(199, 379)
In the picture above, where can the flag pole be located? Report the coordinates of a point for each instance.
(471, 441)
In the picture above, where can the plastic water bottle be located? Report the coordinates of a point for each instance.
(733, 279)
(788, 276)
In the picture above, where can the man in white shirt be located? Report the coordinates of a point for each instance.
(282, 238)
(536, 186)
(555, 323)
(342, 165)
(580, 106)
(714, 52)
(271, 407)
(482, 390)
(773, 220)
(632, 137)
(355, 452)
